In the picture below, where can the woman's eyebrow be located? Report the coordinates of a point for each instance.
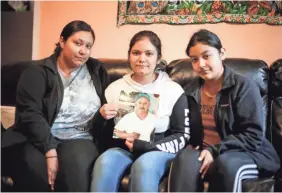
(205, 52)
(87, 42)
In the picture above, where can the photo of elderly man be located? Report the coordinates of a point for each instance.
(138, 124)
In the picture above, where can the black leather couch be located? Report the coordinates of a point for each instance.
(269, 81)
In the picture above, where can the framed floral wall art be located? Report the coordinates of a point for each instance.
(202, 11)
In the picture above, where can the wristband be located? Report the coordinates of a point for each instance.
(51, 156)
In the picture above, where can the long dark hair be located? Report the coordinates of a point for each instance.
(71, 28)
(205, 37)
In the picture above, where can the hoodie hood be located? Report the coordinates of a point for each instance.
(161, 79)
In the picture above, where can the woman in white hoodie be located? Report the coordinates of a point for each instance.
(149, 161)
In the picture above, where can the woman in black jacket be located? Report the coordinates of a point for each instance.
(57, 107)
(225, 109)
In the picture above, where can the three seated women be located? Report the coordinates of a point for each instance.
(210, 130)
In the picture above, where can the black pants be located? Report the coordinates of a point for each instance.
(225, 174)
(76, 160)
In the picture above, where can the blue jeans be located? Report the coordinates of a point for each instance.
(145, 175)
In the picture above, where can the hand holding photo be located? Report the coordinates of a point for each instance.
(7, 116)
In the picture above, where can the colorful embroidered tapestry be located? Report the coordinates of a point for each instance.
(203, 11)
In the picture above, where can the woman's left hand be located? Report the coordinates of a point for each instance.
(109, 111)
(207, 159)
(129, 143)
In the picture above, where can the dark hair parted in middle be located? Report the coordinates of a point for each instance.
(205, 37)
(70, 29)
(154, 39)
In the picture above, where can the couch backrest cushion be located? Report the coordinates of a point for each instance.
(275, 91)
(182, 72)
(116, 68)
(276, 78)
(10, 75)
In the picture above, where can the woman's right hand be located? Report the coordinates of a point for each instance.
(52, 166)
(109, 111)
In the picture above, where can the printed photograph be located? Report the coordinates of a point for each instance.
(136, 116)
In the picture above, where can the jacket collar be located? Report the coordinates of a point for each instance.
(51, 63)
(228, 81)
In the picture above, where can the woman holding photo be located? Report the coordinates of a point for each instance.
(171, 129)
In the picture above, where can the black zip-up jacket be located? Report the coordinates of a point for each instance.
(238, 117)
(39, 97)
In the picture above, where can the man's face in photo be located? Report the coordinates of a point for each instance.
(142, 105)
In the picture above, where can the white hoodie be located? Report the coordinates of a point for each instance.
(168, 90)
(172, 114)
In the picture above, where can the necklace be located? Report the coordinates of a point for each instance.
(214, 87)
(208, 94)
(67, 80)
